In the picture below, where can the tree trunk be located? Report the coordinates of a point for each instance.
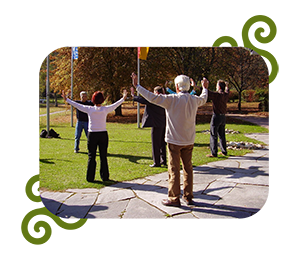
(118, 111)
(240, 102)
(55, 99)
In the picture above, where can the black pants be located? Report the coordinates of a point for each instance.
(158, 145)
(97, 139)
(217, 128)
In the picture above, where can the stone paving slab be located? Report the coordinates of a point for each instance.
(77, 206)
(245, 197)
(219, 188)
(138, 208)
(116, 195)
(108, 210)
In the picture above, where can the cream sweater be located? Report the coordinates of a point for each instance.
(181, 110)
(97, 114)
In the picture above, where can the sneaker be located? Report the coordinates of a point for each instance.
(76, 151)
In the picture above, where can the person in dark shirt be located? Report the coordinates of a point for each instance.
(155, 117)
(82, 120)
(218, 120)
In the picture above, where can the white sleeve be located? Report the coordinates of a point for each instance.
(203, 97)
(162, 100)
(80, 107)
(113, 106)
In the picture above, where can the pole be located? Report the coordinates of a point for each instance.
(47, 96)
(138, 82)
(71, 85)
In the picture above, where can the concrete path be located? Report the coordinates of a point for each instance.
(261, 121)
(234, 188)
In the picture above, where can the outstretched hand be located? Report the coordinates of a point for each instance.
(204, 83)
(193, 84)
(125, 94)
(134, 79)
(63, 94)
(132, 91)
(166, 84)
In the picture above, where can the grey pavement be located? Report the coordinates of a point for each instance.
(233, 188)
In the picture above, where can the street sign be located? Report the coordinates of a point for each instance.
(75, 52)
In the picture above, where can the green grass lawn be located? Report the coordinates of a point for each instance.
(129, 154)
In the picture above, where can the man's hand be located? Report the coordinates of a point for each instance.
(193, 84)
(64, 96)
(124, 94)
(204, 83)
(227, 87)
(166, 84)
(132, 91)
(134, 79)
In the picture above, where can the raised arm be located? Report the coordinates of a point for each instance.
(227, 87)
(83, 108)
(162, 100)
(113, 106)
(204, 95)
(170, 91)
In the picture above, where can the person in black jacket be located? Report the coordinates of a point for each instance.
(155, 117)
(82, 120)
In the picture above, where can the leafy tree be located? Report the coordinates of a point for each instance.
(106, 69)
(242, 70)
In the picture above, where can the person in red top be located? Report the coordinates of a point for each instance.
(218, 120)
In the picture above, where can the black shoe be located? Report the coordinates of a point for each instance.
(154, 165)
(189, 202)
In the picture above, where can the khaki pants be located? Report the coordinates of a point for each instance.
(176, 153)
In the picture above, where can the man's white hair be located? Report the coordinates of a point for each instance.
(183, 82)
(82, 93)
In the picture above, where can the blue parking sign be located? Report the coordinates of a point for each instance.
(75, 52)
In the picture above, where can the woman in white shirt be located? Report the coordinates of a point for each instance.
(97, 136)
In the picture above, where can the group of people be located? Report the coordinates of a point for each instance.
(172, 118)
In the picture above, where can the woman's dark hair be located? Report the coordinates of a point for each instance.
(159, 89)
(97, 98)
(222, 85)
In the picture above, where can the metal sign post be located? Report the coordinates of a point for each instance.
(47, 96)
(73, 56)
(138, 82)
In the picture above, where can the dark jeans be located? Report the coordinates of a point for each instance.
(97, 139)
(80, 125)
(217, 128)
(158, 145)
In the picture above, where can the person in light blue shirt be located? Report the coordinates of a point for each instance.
(170, 91)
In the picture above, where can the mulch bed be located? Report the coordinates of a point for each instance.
(204, 113)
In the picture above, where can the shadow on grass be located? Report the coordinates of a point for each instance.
(48, 160)
(131, 158)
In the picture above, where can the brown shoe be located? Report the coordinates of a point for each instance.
(168, 202)
(210, 155)
(189, 202)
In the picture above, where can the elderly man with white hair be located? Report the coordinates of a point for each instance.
(181, 109)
